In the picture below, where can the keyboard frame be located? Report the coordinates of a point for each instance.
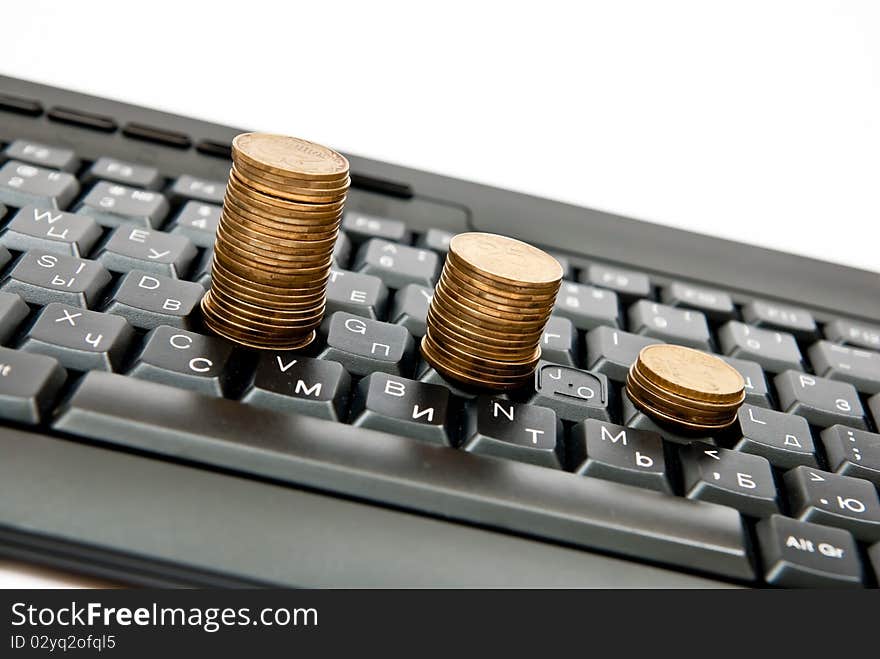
(459, 555)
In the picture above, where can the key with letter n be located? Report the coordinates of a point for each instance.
(405, 407)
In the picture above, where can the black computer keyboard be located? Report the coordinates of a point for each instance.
(106, 362)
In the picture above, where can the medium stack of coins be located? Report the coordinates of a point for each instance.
(274, 245)
(691, 391)
(489, 309)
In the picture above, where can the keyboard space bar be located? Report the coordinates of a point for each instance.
(404, 473)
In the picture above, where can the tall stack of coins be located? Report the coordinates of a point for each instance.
(489, 309)
(274, 246)
(690, 390)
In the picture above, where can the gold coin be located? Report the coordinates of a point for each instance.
(248, 173)
(692, 373)
(466, 375)
(679, 423)
(461, 292)
(272, 202)
(283, 155)
(493, 293)
(505, 259)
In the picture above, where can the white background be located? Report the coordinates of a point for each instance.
(757, 121)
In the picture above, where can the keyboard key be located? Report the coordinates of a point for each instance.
(148, 301)
(633, 417)
(802, 555)
(784, 439)
(202, 272)
(41, 277)
(503, 429)
(360, 227)
(189, 187)
(28, 385)
(731, 478)
(861, 368)
(613, 351)
(341, 251)
(820, 401)
(126, 173)
(397, 265)
(426, 373)
(774, 351)
(852, 333)
(680, 326)
(13, 310)
(356, 293)
(716, 305)
(395, 471)
(436, 240)
(798, 322)
(80, 339)
(405, 407)
(573, 394)
(291, 383)
(874, 407)
(586, 306)
(364, 346)
(112, 204)
(53, 157)
(186, 360)
(410, 308)
(559, 342)
(757, 389)
(51, 230)
(198, 222)
(22, 184)
(134, 248)
(853, 452)
(626, 455)
(628, 284)
(834, 500)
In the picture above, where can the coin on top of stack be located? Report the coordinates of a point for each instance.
(281, 214)
(489, 309)
(691, 391)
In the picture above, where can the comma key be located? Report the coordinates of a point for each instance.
(364, 346)
(574, 395)
(731, 478)
(405, 407)
(148, 301)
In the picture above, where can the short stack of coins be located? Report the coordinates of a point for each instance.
(489, 309)
(281, 214)
(692, 391)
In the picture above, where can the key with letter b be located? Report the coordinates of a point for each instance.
(406, 407)
(834, 500)
(501, 428)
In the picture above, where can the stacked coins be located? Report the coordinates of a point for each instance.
(489, 309)
(692, 391)
(274, 245)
